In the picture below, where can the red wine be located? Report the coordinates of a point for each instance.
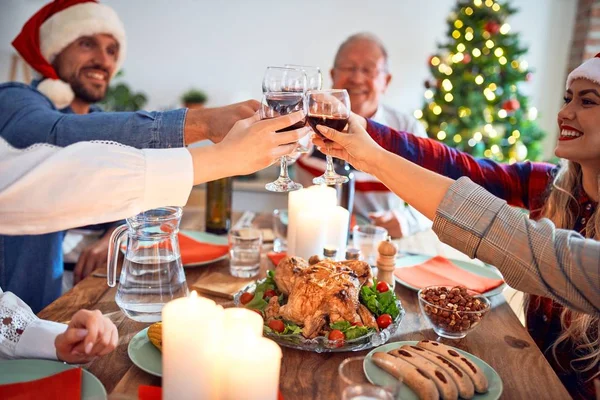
(333, 122)
(297, 125)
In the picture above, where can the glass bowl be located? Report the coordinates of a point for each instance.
(322, 344)
(455, 319)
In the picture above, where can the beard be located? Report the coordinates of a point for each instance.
(86, 93)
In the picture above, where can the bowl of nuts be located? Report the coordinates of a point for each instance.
(452, 311)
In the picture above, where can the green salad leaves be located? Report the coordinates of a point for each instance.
(379, 303)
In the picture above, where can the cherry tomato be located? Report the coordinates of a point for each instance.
(277, 325)
(382, 287)
(269, 293)
(358, 324)
(338, 337)
(246, 297)
(384, 320)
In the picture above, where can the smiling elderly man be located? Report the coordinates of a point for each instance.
(361, 66)
(77, 46)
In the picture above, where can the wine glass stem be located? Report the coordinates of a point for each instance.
(329, 168)
(283, 169)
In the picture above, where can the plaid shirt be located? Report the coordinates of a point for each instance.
(534, 257)
(521, 184)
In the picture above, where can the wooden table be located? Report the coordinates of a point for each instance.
(500, 340)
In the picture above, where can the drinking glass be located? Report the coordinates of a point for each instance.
(280, 225)
(314, 81)
(245, 247)
(275, 104)
(282, 79)
(332, 109)
(366, 238)
(354, 385)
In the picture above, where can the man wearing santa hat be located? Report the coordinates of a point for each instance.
(76, 47)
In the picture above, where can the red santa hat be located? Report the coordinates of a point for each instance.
(53, 28)
(589, 70)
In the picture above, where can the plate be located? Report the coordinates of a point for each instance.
(377, 376)
(203, 237)
(321, 344)
(144, 355)
(15, 371)
(487, 271)
(209, 238)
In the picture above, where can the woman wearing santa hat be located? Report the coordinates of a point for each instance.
(76, 46)
(560, 269)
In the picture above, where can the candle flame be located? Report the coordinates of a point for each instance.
(194, 294)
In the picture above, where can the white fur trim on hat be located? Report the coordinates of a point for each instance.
(589, 70)
(59, 92)
(84, 19)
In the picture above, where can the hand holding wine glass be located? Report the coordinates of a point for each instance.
(275, 104)
(354, 146)
(330, 108)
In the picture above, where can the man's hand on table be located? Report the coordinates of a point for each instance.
(92, 257)
(390, 220)
(88, 335)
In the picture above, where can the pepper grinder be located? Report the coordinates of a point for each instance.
(386, 262)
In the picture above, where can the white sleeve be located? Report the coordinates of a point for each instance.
(22, 334)
(47, 189)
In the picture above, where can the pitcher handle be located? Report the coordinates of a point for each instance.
(113, 254)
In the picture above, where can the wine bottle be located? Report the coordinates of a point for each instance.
(218, 205)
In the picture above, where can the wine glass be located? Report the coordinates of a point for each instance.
(354, 385)
(314, 81)
(275, 104)
(332, 109)
(282, 79)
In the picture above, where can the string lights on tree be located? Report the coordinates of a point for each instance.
(474, 101)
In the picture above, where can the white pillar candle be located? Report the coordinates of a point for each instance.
(191, 336)
(337, 230)
(311, 232)
(309, 199)
(241, 322)
(252, 369)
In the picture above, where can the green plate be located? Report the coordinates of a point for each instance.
(143, 354)
(377, 376)
(15, 371)
(486, 271)
(210, 238)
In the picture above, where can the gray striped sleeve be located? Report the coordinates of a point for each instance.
(533, 256)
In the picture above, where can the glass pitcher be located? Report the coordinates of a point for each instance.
(152, 273)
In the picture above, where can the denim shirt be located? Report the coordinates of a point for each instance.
(31, 266)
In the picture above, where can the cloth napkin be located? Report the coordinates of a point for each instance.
(65, 385)
(439, 271)
(155, 393)
(193, 251)
(276, 257)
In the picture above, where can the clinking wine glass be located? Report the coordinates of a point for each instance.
(330, 108)
(282, 79)
(314, 81)
(275, 104)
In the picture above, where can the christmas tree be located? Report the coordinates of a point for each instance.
(474, 101)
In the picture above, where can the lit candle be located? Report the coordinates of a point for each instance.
(241, 322)
(309, 199)
(192, 329)
(337, 230)
(252, 369)
(311, 233)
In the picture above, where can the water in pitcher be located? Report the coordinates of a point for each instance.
(147, 283)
